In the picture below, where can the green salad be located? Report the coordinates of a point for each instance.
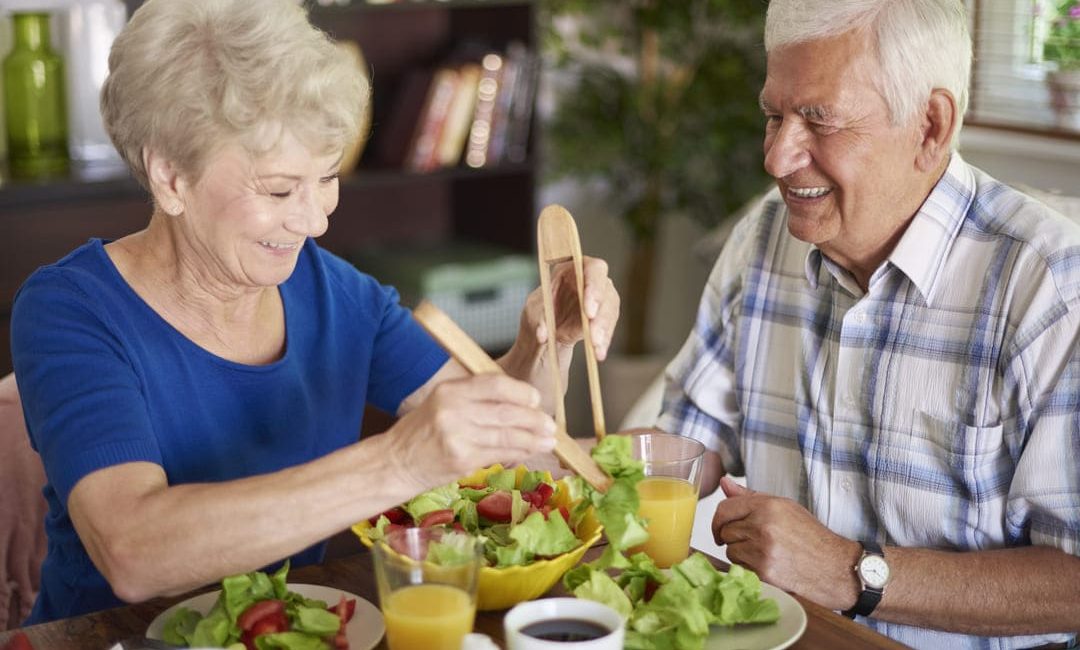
(521, 516)
(664, 611)
(256, 611)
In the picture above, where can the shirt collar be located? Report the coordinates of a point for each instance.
(924, 247)
(922, 250)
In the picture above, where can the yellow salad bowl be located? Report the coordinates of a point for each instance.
(507, 586)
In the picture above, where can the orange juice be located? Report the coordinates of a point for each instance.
(667, 505)
(429, 616)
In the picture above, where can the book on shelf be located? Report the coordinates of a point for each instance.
(476, 149)
(516, 148)
(500, 113)
(424, 151)
(478, 113)
(393, 137)
(503, 115)
(455, 131)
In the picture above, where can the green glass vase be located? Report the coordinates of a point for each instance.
(34, 101)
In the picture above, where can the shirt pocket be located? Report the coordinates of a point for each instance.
(943, 484)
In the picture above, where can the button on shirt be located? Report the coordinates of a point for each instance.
(939, 409)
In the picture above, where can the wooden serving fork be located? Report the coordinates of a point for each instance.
(460, 346)
(557, 241)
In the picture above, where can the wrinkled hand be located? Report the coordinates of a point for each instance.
(469, 423)
(786, 546)
(601, 307)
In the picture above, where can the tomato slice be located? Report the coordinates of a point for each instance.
(344, 609)
(497, 506)
(258, 611)
(18, 641)
(271, 624)
(544, 491)
(341, 642)
(396, 515)
(437, 518)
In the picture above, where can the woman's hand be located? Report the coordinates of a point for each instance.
(601, 308)
(527, 361)
(469, 423)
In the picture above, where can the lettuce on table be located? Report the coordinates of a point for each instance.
(663, 611)
(309, 620)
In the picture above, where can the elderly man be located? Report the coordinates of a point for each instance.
(888, 348)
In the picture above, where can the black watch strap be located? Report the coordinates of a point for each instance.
(869, 597)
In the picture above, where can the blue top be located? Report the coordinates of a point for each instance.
(105, 380)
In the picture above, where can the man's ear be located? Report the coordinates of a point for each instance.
(166, 183)
(939, 122)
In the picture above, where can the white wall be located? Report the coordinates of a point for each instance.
(1045, 163)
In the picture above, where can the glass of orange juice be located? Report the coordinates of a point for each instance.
(424, 604)
(668, 494)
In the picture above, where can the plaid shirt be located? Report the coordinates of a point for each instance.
(938, 409)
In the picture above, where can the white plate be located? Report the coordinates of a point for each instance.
(770, 636)
(364, 630)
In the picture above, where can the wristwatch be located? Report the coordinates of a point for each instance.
(873, 574)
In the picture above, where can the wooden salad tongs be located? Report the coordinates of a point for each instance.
(470, 355)
(557, 241)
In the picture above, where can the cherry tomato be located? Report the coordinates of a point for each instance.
(437, 518)
(545, 491)
(257, 611)
(497, 506)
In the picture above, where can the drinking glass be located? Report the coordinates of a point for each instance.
(427, 605)
(668, 493)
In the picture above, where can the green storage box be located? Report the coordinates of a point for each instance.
(481, 287)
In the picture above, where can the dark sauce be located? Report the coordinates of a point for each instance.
(566, 630)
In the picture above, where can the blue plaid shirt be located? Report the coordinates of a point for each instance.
(938, 409)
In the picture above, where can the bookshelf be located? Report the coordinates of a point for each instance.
(380, 204)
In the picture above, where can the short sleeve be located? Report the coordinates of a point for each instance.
(82, 400)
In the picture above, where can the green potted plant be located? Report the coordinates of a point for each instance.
(662, 107)
(1062, 49)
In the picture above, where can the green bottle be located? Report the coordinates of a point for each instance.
(34, 101)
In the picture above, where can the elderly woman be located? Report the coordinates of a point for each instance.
(196, 389)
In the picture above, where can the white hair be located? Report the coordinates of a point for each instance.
(921, 44)
(187, 76)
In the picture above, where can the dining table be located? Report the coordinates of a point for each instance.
(354, 573)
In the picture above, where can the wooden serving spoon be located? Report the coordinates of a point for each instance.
(470, 355)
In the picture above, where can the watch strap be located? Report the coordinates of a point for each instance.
(869, 597)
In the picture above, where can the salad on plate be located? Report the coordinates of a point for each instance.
(257, 611)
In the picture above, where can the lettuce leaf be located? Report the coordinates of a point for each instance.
(440, 498)
(544, 536)
(617, 510)
(614, 455)
(601, 588)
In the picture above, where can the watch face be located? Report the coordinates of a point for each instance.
(874, 571)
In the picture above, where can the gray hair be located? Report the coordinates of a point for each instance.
(189, 76)
(921, 44)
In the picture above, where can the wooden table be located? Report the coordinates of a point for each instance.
(101, 630)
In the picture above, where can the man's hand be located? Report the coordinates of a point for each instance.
(786, 546)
